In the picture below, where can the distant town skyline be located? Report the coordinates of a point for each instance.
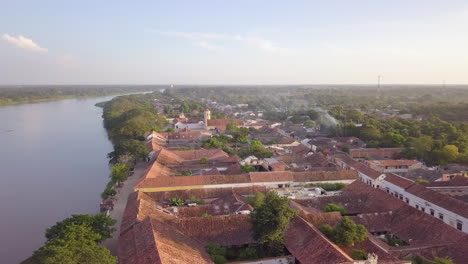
(233, 42)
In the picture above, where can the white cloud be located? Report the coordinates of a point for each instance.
(205, 40)
(206, 45)
(23, 43)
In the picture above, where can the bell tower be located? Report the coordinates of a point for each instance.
(207, 117)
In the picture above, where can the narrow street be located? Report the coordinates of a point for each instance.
(121, 202)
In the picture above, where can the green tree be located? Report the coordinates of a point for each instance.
(443, 261)
(345, 148)
(309, 123)
(257, 200)
(100, 224)
(270, 220)
(76, 245)
(217, 253)
(422, 145)
(176, 201)
(120, 172)
(449, 153)
(371, 133)
(248, 168)
(359, 254)
(248, 253)
(346, 232)
(331, 207)
(421, 181)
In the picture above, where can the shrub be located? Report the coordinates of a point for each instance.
(248, 253)
(331, 207)
(175, 201)
(359, 254)
(421, 181)
(331, 186)
(217, 259)
(203, 160)
(345, 232)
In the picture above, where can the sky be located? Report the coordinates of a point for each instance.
(233, 42)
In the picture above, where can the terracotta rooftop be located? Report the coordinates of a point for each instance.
(458, 181)
(300, 149)
(226, 230)
(287, 140)
(168, 157)
(398, 180)
(442, 200)
(411, 225)
(310, 246)
(311, 176)
(359, 166)
(156, 242)
(375, 152)
(160, 176)
(393, 163)
(357, 198)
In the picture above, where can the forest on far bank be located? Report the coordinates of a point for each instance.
(10, 95)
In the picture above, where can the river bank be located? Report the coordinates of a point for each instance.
(120, 202)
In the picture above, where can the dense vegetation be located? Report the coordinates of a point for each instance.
(29, 94)
(270, 219)
(128, 120)
(346, 232)
(433, 140)
(331, 207)
(75, 240)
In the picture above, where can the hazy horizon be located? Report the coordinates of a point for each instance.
(233, 43)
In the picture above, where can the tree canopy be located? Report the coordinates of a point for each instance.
(76, 244)
(346, 232)
(100, 223)
(270, 220)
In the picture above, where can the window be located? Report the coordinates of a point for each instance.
(407, 200)
(441, 216)
(459, 225)
(388, 190)
(423, 209)
(417, 206)
(431, 211)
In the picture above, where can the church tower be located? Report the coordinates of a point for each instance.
(207, 117)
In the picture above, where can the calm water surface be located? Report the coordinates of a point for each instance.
(52, 164)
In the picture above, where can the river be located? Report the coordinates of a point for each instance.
(52, 164)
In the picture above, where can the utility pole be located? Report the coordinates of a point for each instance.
(378, 85)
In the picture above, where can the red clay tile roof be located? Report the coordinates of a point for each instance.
(398, 180)
(411, 225)
(300, 149)
(393, 163)
(442, 200)
(455, 182)
(180, 156)
(224, 122)
(274, 176)
(374, 152)
(226, 230)
(357, 198)
(156, 242)
(356, 165)
(287, 140)
(310, 246)
(311, 176)
(160, 176)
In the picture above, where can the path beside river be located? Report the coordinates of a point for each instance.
(121, 202)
